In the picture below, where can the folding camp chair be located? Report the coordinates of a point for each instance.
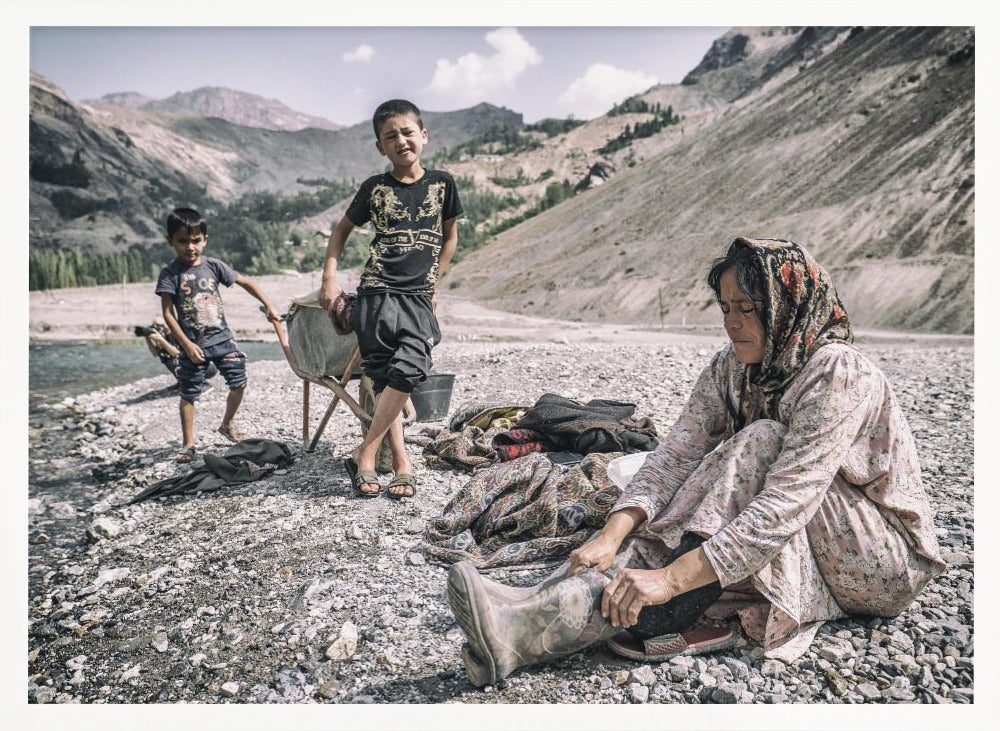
(317, 354)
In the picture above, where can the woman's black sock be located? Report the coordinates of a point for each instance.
(682, 611)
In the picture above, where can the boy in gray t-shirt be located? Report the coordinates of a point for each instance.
(193, 310)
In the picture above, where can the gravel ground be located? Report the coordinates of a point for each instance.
(288, 590)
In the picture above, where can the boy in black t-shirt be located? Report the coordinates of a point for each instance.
(414, 212)
(192, 308)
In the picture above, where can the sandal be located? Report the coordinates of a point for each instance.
(230, 433)
(403, 479)
(657, 649)
(361, 477)
(186, 455)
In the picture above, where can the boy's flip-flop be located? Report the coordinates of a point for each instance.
(230, 433)
(401, 480)
(361, 477)
(695, 641)
(186, 455)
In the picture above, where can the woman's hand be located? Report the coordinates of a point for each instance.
(597, 553)
(328, 292)
(633, 589)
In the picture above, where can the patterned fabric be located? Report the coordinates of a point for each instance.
(484, 413)
(340, 313)
(802, 313)
(470, 449)
(822, 509)
(523, 511)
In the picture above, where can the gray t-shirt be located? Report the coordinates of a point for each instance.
(195, 290)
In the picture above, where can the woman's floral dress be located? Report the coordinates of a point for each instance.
(812, 516)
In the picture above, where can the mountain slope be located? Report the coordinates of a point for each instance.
(90, 186)
(864, 156)
(237, 158)
(744, 63)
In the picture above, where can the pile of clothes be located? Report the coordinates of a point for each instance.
(481, 434)
(520, 506)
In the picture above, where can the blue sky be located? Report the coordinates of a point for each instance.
(342, 73)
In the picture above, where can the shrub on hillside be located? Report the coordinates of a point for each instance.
(72, 174)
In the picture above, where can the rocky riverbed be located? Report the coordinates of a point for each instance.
(289, 590)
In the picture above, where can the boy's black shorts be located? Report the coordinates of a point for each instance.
(395, 333)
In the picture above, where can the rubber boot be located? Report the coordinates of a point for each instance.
(508, 627)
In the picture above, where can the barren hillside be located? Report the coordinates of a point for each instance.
(864, 155)
(91, 187)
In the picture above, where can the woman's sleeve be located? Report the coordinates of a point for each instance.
(697, 431)
(838, 397)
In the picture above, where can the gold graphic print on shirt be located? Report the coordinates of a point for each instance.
(386, 208)
(433, 205)
(387, 213)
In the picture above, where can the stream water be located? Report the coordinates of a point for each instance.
(60, 369)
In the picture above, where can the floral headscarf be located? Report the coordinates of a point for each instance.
(801, 313)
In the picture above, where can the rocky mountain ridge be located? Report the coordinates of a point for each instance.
(238, 107)
(863, 154)
(80, 199)
(90, 181)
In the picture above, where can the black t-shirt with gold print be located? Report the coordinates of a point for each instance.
(407, 218)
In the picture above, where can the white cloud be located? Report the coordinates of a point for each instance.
(474, 77)
(364, 52)
(599, 88)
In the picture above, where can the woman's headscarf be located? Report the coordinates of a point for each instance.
(800, 312)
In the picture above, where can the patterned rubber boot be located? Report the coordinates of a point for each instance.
(509, 628)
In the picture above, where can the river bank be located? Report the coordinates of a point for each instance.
(236, 596)
(108, 314)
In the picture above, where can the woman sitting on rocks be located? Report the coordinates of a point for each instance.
(788, 491)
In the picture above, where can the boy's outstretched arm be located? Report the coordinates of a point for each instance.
(251, 286)
(450, 230)
(329, 289)
(192, 350)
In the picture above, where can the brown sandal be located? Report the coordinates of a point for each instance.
(403, 479)
(361, 477)
(186, 455)
(694, 641)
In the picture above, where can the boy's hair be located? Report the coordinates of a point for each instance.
(394, 108)
(185, 218)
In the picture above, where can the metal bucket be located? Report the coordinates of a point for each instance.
(432, 398)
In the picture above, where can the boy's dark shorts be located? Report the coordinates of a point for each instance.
(173, 364)
(395, 333)
(232, 364)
